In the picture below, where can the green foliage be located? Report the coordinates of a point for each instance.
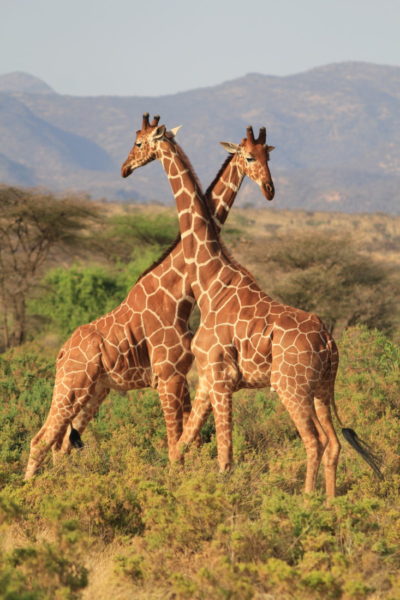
(137, 416)
(40, 569)
(76, 296)
(36, 573)
(26, 382)
(127, 236)
(162, 532)
(367, 396)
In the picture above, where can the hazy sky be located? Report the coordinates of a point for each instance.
(156, 47)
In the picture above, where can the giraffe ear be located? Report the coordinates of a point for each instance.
(159, 132)
(270, 148)
(231, 148)
(175, 130)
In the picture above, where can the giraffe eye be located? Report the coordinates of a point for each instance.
(250, 159)
(138, 144)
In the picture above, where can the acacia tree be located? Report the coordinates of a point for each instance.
(34, 227)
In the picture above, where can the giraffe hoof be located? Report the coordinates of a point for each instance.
(225, 468)
(75, 439)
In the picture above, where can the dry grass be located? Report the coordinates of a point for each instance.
(375, 234)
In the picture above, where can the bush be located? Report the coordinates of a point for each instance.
(26, 383)
(157, 531)
(127, 236)
(327, 275)
(39, 569)
(76, 296)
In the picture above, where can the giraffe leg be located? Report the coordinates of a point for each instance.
(187, 404)
(201, 408)
(81, 421)
(187, 407)
(219, 397)
(52, 432)
(78, 367)
(172, 393)
(312, 434)
(330, 457)
(222, 409)
(40, 445)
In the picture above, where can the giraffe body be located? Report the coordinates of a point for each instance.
(144, 342)
(245, 339)
(138, 344)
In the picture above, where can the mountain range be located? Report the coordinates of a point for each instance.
(336, 130)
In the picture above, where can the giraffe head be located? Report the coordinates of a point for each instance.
(252, 157)
(146, 146)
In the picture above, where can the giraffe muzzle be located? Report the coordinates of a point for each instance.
(126, 170)
(268, 190)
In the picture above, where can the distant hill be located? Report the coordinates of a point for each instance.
(14, 173)
(336, 129)
(23, 82)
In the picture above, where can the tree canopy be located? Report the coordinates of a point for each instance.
(34, 228)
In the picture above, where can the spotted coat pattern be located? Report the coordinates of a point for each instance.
(245, 338)
(145, 341)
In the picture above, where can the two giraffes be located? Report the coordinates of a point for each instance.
(245, 339)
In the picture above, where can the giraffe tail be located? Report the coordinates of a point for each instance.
(349, 434)
(359, 445)
(75, 438)
(364, 450)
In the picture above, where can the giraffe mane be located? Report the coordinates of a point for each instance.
(218, 175)
(210, 207)
(209, 210)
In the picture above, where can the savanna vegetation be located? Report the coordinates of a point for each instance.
(114, 519)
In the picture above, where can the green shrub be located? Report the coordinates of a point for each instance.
(39, 569)
(189, 532)
(76, 296)
(127, 236)
(26, 383)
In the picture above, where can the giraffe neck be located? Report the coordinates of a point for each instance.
(223, 190)
(204, 256)
(221, 194)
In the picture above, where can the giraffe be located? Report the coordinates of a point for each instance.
(245, 338)
(145, 341)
